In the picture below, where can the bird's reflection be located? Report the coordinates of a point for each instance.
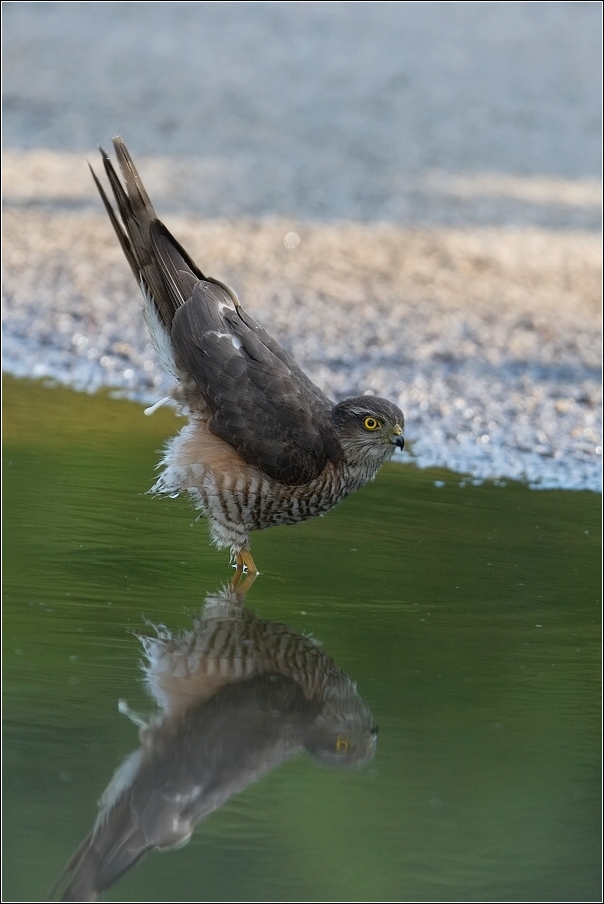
(237, 695)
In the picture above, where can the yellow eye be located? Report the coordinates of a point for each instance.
(341, 743)
(371, 423)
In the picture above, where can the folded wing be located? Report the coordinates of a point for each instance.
(260, 401)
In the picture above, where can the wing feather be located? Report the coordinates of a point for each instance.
(260, 401)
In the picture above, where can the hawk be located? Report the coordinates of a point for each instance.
(238, 695)
(263, 446)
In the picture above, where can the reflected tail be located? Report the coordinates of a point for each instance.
(114, 846)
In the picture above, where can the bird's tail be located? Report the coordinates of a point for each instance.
(113, 847)
(161, 266)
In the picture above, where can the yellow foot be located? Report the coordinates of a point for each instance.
(244, 561)
(244, 565)
(242, 582)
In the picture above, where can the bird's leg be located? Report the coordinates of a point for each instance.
(244, 565)
(244, 561)
(241, 584)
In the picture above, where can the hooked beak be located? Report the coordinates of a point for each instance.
(398, 439)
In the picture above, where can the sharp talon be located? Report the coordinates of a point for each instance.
(244, 560)
(244, 565)
(340, 447)
(241, 583)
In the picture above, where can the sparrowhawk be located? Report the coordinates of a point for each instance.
(237, 696)
(263, 445)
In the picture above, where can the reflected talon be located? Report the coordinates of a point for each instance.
(237, 695)
(241, 583)
(244, 565)
(245, 561)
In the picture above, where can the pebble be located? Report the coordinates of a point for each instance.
(407, 195)
(487, 338)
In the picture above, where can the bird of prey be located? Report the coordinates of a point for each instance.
(264, 445)
(237, 696)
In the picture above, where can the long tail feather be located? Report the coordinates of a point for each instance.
(161, 266)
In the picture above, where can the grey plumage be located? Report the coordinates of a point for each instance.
(264, 445)
(238, 695)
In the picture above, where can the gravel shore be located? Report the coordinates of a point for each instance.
(487, 338)
(406, 195)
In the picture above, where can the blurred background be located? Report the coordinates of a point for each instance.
(426, 173)
(411, 112)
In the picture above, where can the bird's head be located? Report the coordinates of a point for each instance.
(369, 427)
(341, 746)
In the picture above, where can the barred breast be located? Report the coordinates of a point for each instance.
(230, 643)
(237, 497)
(237, 695)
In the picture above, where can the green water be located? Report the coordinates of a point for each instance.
(469, 618)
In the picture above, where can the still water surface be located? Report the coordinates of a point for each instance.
(468, 617)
